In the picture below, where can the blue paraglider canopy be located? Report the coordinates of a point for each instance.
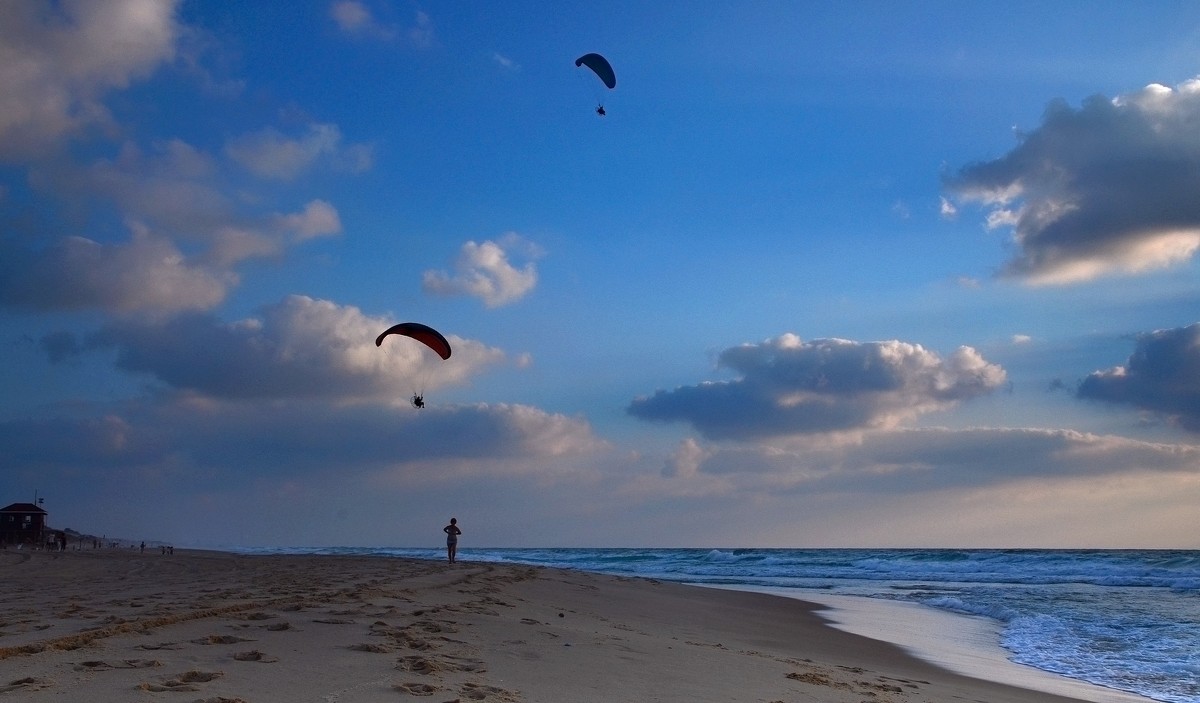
(600, 66)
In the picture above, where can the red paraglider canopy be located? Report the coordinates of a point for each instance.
(422, 333)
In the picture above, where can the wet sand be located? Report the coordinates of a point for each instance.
(116, 625)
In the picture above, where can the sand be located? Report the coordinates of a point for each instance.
(105, 626)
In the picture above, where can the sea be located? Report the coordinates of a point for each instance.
(1126, 620)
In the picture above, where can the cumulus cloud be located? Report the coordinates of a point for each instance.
(1108, 188)
(270, 154)
(484, 271)
(298, 348)
(318, 219)
(1161, 376)
(58, 59)
(172, 198)
(787, 386)
(148, 274)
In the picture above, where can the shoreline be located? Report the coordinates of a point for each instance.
(965, 644)
(255, 628)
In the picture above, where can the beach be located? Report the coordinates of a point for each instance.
(119, 625)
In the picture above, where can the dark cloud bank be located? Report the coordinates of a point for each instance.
(1110, 187)
(1162, 376)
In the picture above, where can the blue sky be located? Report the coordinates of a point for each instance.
(873, 274)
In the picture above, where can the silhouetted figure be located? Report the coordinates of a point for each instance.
(600, 110)
(418, 401)
(452, 533)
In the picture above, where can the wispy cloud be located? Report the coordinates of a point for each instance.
(270, 154)
(505, 62)
(354, 17)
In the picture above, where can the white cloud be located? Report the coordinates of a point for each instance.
(483, 271)
(355, 18)
(686, 459)
(318, 219)
(350, 15)
(298, 348)
(147, 274)
(57, 60)
(270, 154)
(173, 195)
(1105, 189)
(791, 387)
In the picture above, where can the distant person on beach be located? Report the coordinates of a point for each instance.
(452, 533)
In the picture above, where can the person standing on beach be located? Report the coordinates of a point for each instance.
(452, 533)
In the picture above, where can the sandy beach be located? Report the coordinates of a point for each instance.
(118, 625)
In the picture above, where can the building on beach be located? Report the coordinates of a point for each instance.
(22, 523)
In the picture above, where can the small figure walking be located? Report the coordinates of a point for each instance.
(452, 533)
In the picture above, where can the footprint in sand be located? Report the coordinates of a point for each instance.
(184, 682)
(277, 626)
(480, 692)
(221, 639)
(374, 648)
(409, 642)
(432, 626)
(426, 666)
(416, 689)
(26, 684)
(419, 665)
(255, 656)
(257, 616)
(124, 664)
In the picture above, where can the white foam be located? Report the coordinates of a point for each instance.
(965, 644)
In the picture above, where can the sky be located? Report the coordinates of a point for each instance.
(877, 274)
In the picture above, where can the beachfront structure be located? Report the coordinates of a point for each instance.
(22, 523)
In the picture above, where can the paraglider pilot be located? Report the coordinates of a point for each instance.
(418, 401)
(600, 110)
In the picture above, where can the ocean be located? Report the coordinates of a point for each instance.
(1127, 620)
